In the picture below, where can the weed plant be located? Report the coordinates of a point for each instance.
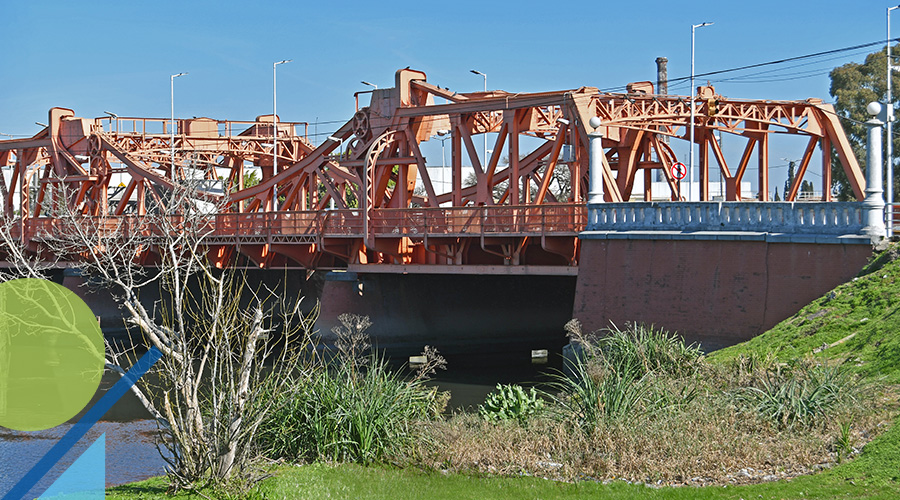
(511, 402)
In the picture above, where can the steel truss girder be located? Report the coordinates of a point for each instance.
(537, 140)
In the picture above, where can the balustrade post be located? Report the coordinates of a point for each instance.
(874, 202)
(595, 162)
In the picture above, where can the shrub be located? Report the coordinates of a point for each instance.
(511, 402)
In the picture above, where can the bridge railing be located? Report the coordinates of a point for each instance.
(775, 217)
(309, 223)
(347, 222)
(833, 218)
(461, 221)
(454, 221)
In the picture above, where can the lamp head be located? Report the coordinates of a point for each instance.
(873, 108)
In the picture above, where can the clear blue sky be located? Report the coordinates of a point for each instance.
(118, 55)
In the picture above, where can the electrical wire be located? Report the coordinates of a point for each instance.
(685, 80)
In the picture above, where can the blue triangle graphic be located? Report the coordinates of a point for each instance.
(85, 479)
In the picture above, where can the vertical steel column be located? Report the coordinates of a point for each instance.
(763, 163)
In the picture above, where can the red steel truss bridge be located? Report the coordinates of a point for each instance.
(352, 200)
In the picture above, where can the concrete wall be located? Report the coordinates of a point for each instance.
(714, 292)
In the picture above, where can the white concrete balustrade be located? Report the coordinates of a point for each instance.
(831, 218)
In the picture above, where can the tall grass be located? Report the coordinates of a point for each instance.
(643, 349)
(618, 373)
(798, 394)
(355, 408)
(637, 403)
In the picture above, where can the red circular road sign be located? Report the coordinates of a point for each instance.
(679, 171)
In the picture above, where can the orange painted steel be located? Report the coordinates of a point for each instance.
(115, 168)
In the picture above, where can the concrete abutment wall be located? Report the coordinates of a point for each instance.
(715, 292)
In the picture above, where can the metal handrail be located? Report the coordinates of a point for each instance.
(412, 222)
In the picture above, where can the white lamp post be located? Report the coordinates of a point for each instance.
(172, 86)
(691, 161)
(369, 84)
(275, 127)
(475, 71)
(890, 130)
(442, 136)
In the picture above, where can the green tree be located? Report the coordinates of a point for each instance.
(807, 188)
(790, 179)
(854, 85)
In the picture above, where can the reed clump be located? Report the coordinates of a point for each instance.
(352, 407)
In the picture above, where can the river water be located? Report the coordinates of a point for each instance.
(130, 438)
(131, 450)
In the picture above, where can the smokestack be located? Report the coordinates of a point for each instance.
(662, 75)
(662, 88)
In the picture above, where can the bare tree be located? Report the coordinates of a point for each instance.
(214, 330)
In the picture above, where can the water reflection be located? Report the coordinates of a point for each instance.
(131, 452)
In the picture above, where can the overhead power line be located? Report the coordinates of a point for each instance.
(675, 81)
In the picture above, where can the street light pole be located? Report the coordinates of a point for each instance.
(275, 128)
(172, 143)
(890, 130)
(475, 71)
(691, 162)
(443, 135)
(369, 84)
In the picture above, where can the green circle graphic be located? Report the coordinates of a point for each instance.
(51, 354)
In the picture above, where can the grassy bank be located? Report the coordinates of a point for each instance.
(857, 323)
(700, 436)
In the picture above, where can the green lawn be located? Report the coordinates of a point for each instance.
(353, 481)
(857, 324)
